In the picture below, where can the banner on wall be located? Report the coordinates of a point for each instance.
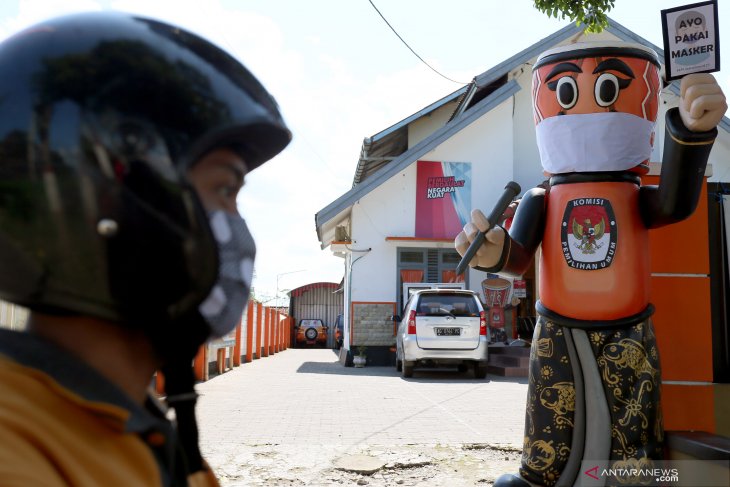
(519, 288)
(443, 198)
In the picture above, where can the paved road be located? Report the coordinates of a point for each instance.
(284, 420)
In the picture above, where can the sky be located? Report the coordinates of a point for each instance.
(339, 75)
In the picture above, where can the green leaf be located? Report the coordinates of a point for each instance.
(590, 13)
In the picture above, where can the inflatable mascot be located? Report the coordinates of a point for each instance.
(594, 366)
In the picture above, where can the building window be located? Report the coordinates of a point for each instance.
(426, 266)
(450, 276)
(411, 275)
(450, 258)
(410, 257)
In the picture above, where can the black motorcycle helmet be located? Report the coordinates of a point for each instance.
(101, 115)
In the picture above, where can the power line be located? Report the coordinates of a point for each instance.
(411, 49)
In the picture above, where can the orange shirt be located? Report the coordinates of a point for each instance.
(53, 436)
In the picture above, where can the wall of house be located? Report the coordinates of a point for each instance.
(390, 209)
(720, 157)
(425, 126)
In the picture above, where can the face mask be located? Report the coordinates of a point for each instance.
(224, 306)
(593, 142)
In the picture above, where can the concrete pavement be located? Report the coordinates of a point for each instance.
(285, 419)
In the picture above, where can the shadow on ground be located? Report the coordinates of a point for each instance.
(424, 375)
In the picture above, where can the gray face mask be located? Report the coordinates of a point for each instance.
(223, 307)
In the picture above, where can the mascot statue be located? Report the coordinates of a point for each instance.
(594, 365)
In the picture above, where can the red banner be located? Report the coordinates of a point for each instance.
(443, 198)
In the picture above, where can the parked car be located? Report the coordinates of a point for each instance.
(311, 332)
(442, 327)
(339, 331)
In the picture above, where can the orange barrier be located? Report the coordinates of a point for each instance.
(280, 321)
(221, 360)
(159, 382)
(200, 364)
(273, 331)
(249, 332)
(237, 347)
(265, 352)
(277, 319)
(259, 329)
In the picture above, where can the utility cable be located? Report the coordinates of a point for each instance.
(411, 49)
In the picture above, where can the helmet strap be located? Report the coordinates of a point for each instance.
(181, 396)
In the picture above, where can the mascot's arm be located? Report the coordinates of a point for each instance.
(524, 235)
(690, 132)
(683, 169)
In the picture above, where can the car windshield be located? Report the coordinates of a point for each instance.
(444, 304)
(311, 323)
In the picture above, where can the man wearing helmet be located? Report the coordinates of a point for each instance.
(123, 144)
(594, 368)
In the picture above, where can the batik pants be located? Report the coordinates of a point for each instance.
(593, 395)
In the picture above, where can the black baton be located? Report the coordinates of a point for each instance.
(510, 191)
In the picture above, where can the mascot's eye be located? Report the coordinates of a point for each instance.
(607, 88)
(567, 92)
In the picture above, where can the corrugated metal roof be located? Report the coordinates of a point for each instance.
(310, 287)
(381, 148)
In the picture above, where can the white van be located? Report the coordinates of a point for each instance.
(443, 327)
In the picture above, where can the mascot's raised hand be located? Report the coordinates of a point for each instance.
(702, 103)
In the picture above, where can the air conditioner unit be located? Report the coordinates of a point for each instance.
(341, 234)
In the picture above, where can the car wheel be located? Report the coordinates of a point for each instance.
(462, 368)
(480, 370)
(407, 369)
(311, 334)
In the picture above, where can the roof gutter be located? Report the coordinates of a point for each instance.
(367, 142)
(465, 102)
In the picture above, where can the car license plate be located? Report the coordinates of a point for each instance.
(448, 332)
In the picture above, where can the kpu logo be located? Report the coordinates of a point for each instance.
(589, 234)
